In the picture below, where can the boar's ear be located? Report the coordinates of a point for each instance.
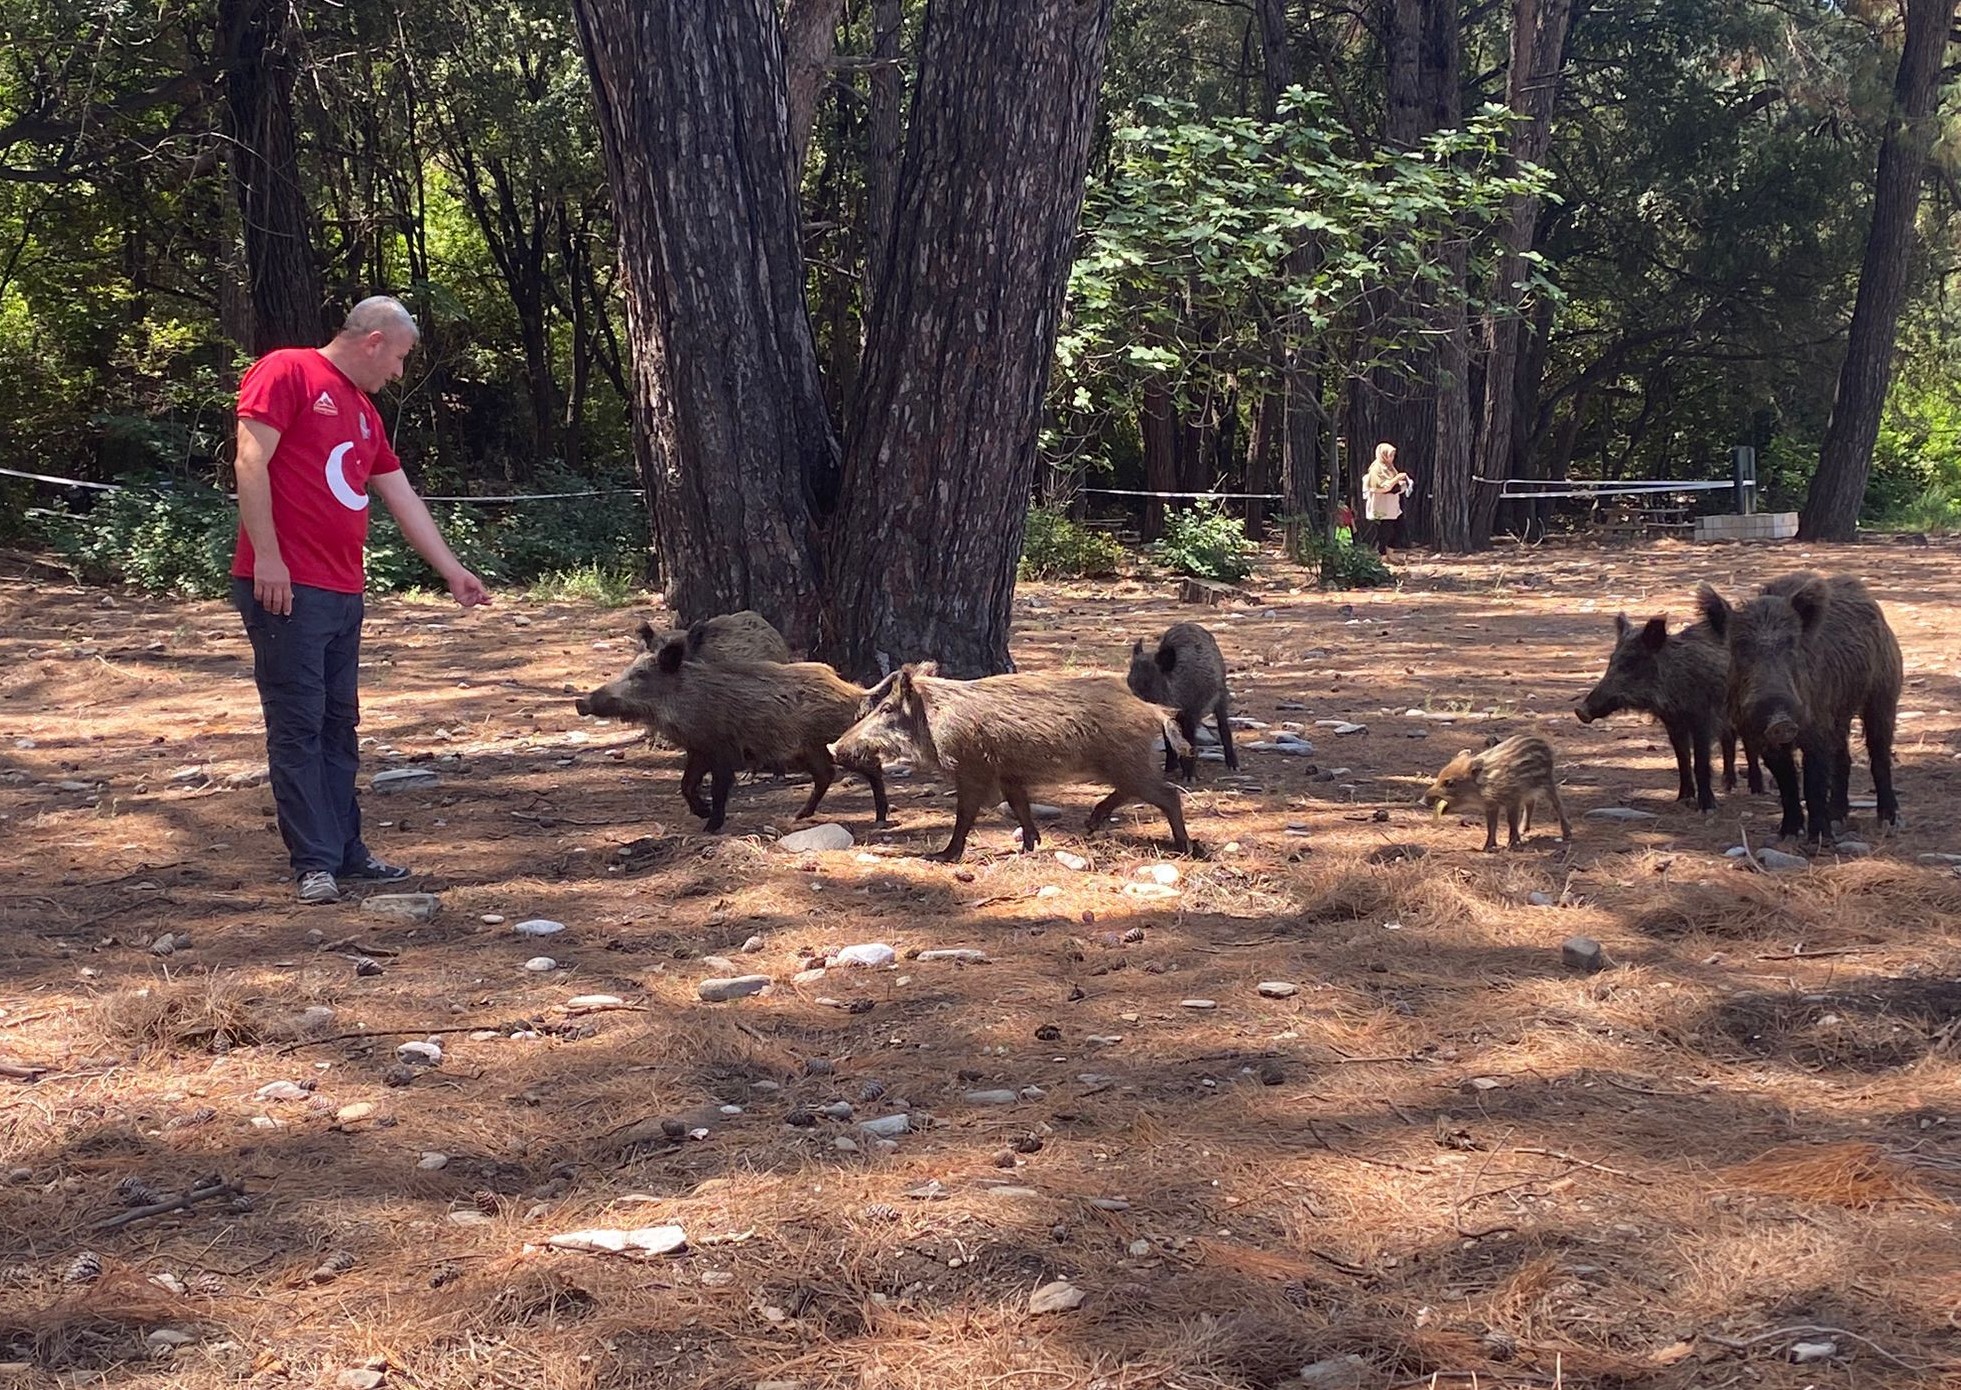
(1167, 658)
(1137, 647)
(671, 655)
(923, 668)
(1810, 599)
(697, 634)
(1715, 609)
(649, 639)
(882, 689)
(1654, 633)
(1621, 625)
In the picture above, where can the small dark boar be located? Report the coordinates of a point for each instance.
(1507, 777)
(743, 636)
(1000, 736)
(1806, 655)
(1187, 673)
(1680, 678)
(729, 715)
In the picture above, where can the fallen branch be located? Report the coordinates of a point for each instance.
(1829, 951)
(1585, 1163)
(1815, 1330)
(21, 1073)
(1750, 855)
(195, 1195)
(380, 1033)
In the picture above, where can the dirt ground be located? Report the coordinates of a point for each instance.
(1728, 1159)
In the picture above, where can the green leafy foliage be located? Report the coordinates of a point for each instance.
(167, 538)
(1207, 543)
(1054, 547)
(1342, 564)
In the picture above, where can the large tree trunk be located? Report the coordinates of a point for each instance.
(810, 31)
(730, 428)
(287, 301)
(1447, 504)
(1157, 432)
(1539, 29)
(1838, 488)
(882, 159)
(941, 455)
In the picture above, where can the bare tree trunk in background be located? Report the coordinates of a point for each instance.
(1539, 31)
(288, 304)
(730, 427)
(1447, 504)
(810, 34)
(882, 160)
(1838, 488)
(942, 440)
(1157, 429)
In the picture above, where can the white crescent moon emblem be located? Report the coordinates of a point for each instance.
(337, 480)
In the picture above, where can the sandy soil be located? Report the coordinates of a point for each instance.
(1730, 1159)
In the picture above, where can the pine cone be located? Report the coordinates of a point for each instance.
(85, 1268)
(208, 1286)
(881, 1211)
(488, 1202)
(135, 1192)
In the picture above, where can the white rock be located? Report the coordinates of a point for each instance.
(641, 1242)
(1197, 1004)
(594, 1001)
(1071, 861)
(966, 955)
(1159, 873)
(808, 977)
(868, 953)
(280, 1090)
(721, 991)
(468, 1218)
(170, 1337)
(828, 836)
(1279, 989)
(431, 1161)
(492, 919)
(538, 926)
(1140, 1247)
(990, 1097)
(1802, 1352)
(410, 907)
(887, 1126)
(420, 1054)
(400, 779)
(752, 945)
(1058, 1296)
(1778, 862)
(1620, 813)
(541, 965)
(1852, 849)
(719, 963)
(317, 1016)
(1938, 858)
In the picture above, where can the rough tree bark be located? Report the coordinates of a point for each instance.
(730, 428)
(1539, 30)
(1838, 488)
(942, 437)
(882, 159)
(810, 31)
(1448, 509)
(288, 305)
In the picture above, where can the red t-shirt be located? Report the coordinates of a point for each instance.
(330, 443)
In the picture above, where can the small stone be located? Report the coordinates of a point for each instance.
(170, 1282)
(990, 1097)
(868, 953)
(721, 991)
(318, 1016)
(431, 1161)
(420, 1054)
(1335, 1373)
(1197, 1004)
(837, 1110)
(1004, 1158)
(1802, 1352)
(808, 977)
(1279, 989)
(1852, 849)
(752, 945)
(358, 1380)
(844, 1143)
(1109, 1204)
(720, 963)
(1582, 953)
(1938, 858)
(887, 1126)
(829, 836)
(470, 1217)
(1140, 1247)
(1058, 1296)
(1071, 861)
(934, 1191)
(966, 955)
(1620, 813)
(541, 965)
(1166, 874)
(1482, 1083)
(1539, 899)
(1346, 729)
(539, 926)
(729, 1110)
(492, 919)
(354, 1113)
(411, 907)
(1778, 862)
(401, 779)
(594, 1001)
(281, 1090)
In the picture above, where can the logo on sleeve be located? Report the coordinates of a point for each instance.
(323, 404)
(366, 435)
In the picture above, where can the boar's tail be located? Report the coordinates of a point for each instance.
(1174, 737)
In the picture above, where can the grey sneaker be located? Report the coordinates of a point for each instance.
(319, 887)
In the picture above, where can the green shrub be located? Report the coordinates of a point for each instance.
(609, 588)
(166, 537)
(1206, 543)
(1054, 547)
(1936, 507)
(1342, 564)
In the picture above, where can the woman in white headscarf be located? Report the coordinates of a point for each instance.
(1384, 487)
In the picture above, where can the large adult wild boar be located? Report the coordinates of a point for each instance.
(729, 715)
(1806, 655)
(1681, 678)
(1000, 736)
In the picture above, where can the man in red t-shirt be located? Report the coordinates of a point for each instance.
(311, 448)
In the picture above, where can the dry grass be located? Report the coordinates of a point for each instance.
(1444, 1153)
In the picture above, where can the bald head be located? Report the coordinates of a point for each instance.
(380, 313)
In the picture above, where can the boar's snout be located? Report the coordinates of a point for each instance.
(1781, 730)
(582, 705)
